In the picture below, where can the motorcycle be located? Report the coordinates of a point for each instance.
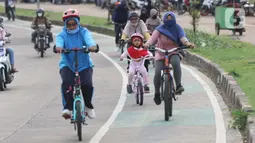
(42, 39)
(206, 7)
(11, 12)
(6, 75)
(248, 8)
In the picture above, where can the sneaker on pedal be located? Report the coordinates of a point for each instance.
(66, 114)
(179, 89)
(157, 99)
(146, 89)
(91, 113)
(129, 89)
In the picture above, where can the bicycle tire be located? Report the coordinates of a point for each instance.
(171, 92)
(166, 96)
(140, 91)
(79, 120)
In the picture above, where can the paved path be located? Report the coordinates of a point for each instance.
(206, 24)
(30, 108)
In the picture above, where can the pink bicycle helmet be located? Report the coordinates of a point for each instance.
(70, 13)
(137, 35)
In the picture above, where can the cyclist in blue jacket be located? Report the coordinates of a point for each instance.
(75, 36)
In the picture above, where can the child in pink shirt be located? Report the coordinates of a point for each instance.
(137, 52)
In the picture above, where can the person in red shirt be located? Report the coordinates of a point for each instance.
(136, 53)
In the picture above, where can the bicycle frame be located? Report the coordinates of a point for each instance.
(167, 65)
(77, 86)
(138, 76)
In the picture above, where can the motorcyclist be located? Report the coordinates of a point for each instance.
(41, 19)
(154, 21)
(120, 16)
(8, 50)
(135, 25)
(74, 35)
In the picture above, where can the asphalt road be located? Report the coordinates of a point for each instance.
(31, 107)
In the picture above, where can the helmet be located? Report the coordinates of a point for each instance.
(133, 14)
(70, 13)
(137, 35)
(40, 10)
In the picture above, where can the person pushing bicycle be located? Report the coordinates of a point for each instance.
(75, 36)
(136, 51)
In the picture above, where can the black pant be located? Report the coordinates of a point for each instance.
(146, 62)
(117, 29)
(68, 80)
(12, 10)
(34, 34)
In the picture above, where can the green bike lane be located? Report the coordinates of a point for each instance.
(196, 116)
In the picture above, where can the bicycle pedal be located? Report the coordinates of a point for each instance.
(84, 123)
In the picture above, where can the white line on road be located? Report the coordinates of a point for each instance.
(220, 126)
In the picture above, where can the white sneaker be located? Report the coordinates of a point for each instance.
(116, 49)
(66, 114)
(91, 113)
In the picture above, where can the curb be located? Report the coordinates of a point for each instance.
(231, 92)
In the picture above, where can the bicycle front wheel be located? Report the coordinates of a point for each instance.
(140, 92)
(79, 120)
(167, 97)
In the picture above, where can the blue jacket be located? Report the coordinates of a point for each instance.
(120, 13)
(77, 40)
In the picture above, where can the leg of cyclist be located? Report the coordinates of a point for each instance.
(128, 45)
(145, 79)
(157, 79)
(176, 64)
(87, 91)
(67, 76)
(131, 74)
(117, 38)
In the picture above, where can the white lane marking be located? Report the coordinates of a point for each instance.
(220, 126)
(219, 120)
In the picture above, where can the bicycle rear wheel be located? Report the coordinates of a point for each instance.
(79, 120)
(140, 92)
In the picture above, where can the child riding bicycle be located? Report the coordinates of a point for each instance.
(135, 51)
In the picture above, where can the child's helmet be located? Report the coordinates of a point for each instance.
(70, 13)
(137, 35)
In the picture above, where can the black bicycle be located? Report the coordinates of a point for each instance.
(78, 114)
(167, 82)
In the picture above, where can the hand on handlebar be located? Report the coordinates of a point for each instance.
(190, 45)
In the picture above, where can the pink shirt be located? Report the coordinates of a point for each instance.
(162, 42)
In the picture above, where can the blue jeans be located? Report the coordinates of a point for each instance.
(11, 54)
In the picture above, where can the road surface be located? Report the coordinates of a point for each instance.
(31, 107)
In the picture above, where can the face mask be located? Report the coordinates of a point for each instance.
(39, 14)
(73, 31)
(154, 17)
(170, 23)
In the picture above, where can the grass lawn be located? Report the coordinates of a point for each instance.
(90, 20)
(235, 57)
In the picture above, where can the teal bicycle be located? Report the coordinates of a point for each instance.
(78, 114)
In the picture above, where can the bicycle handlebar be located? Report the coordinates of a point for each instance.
(142, 58)
(172, 50)
(83, 49)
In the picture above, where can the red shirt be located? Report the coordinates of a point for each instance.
(136, 53)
